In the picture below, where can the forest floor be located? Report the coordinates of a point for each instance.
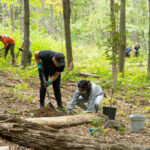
(20, 100)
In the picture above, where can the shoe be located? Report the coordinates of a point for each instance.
(60, 108)
(41, 106)
(96, 109)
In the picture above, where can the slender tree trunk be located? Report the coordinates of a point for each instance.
(43, 13)
(148, 68)
(21, 17)
(51, 20)
(114, 45)
(12, 14)
(66, 14)
(26, 33)
(122, 37)
(1, 12)
(61, 29)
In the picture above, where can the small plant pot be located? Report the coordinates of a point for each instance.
(110, 112)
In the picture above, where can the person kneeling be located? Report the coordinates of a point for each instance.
(87, 92)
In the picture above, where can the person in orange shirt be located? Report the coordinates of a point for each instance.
(9, 43)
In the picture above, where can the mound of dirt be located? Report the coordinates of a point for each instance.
(47, 112)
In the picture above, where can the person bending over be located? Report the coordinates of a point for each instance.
(50, 64)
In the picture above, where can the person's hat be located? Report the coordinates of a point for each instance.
(60, 58)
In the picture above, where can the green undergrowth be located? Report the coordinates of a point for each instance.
(87, 59)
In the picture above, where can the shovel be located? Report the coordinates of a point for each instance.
(49, 104)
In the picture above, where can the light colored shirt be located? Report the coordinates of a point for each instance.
(30, 42)
(95, 91)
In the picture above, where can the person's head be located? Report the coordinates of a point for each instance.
(84, 86)
(59, 59)
(137, 44)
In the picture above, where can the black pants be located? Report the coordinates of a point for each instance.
(11, 47)
(56, 88)
(136, 53)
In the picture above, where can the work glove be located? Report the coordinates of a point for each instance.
(40, 67)
(48, 83)
(20, 49)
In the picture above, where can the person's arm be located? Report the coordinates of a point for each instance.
(5, 44)
(36, 57)
(90, 104)
(2, 48)
(54, 77)
(73, 101)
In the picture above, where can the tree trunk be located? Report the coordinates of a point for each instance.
(114, 45)
(148, 68)
(122, 37)
(12, 14)
(43, 25)
(21, 17)
(64, 121)
(26, 34)
(1, 12)
(66, 14)
(51, 20)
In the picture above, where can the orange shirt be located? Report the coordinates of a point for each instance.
(7, 40)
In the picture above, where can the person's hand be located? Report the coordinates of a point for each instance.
(68, 111)
(40, 67)
(20, 49)
(48, 83)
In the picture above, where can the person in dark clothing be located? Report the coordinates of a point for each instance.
(127, 52)
(137, 47)
(51, 64)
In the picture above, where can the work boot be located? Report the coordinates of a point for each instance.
(60, 108)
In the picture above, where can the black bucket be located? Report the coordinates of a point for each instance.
(110, 112)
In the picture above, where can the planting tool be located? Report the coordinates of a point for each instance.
(49, 104)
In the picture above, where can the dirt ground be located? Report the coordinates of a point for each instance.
(24, 103)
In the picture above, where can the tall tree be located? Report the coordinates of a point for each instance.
(51, 20)
(122, 37)
(114, 44)
(21, 16)
(66, 14)
(148, 68)
(12, 14)
(26, 33)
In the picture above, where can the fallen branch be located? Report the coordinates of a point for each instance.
(5, 84)
(88, 74)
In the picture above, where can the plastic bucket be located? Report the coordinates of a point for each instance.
(110, 112)
(137, 123)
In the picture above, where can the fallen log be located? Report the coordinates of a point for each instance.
(17, 131)
(88, 74)
(64, 121)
